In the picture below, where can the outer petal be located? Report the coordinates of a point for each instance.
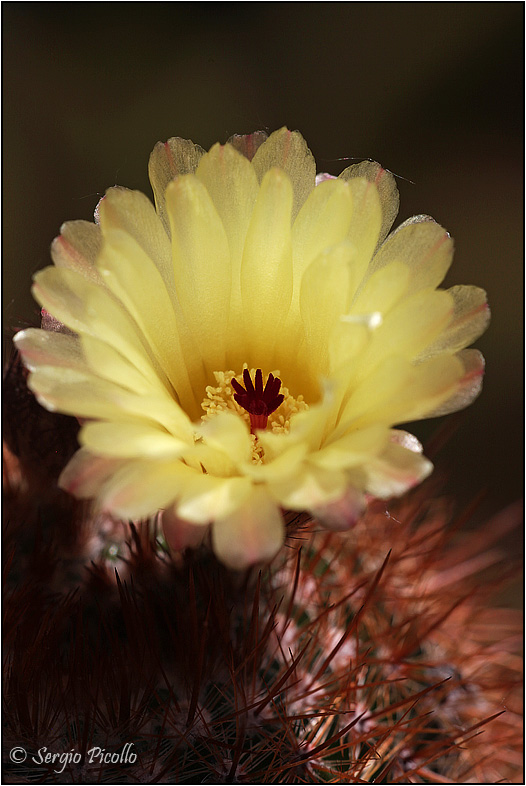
(424, 246)
(46, 348)
(130, 439)
(77, 248)
(85, 473)
(288, 150)
(134, 214)
(84, 395)
(88, 308)
(170, 160)
(181, 534)
(467, 389)
(387, 190)
(205, 498)
(310, 488)
(140, 488)
(342, 513)
(408, 329)
(352, 449)
(202, 266)
(248, 144)
(133, 277)
(252, 533)
(414, 391)
(395, 471)
(106, 362)
(471, 317)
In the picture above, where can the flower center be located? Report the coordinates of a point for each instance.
(225, 396)
(259, 402)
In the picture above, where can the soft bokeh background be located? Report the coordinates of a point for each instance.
(434, 91)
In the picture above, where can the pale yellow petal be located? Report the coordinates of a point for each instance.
(107, 362)
(266, 269)
(366, 221)
(84, 395)
(45, 348)
(421, 244)
(395, 472)
(49, 349)
(374, 393)
(428, 385)
(252, 533)
(288, 151)
(382, 290)
(135, 280)
(130, 439)
(407, 330)
(205, 498)
(140, 488)
(133, 213)
(467, 388)
(326, 289)
(387, 190)
(323, 221)
(352, 449)
(181, 534)
(306, 428)
(85, 474)
(169, 160)
(87, 308)
(282, 465)
(232, 184)
(228, 433)
(309, 488)
(77, 247)
(202, 267)
(341, 514)
(471, 316)
(347, 339)
(209, 459)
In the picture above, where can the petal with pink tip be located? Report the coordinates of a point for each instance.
(421, 244)
(387, 190)
(469, 385)
(471, 316)
(288, 151)
(169, 160)
(395, 471)
(181, 534)
(252, 533)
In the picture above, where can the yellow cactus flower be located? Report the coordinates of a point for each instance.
(245, 348)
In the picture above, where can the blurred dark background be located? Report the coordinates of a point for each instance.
(434, 91)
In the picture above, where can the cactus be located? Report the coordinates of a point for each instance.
(375, 656)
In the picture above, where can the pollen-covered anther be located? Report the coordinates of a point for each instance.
(258, 401)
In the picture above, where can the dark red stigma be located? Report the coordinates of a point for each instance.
(259, 402)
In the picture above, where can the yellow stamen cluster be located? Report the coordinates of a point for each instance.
(220, 398)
